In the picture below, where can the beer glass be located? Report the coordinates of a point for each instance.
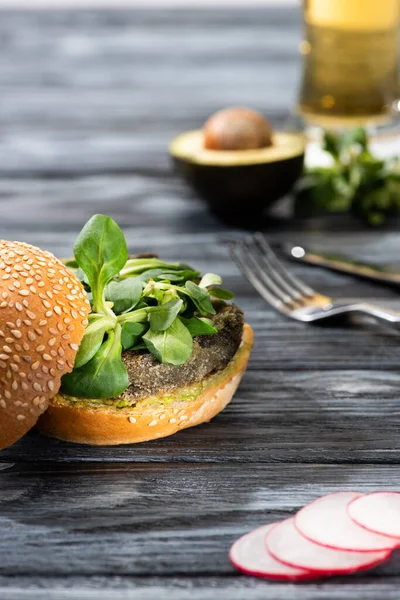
(350, 69)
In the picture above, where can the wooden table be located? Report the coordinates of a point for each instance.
(88, 103)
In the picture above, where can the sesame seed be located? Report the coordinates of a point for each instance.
(3, 403)
(46, 303)
(35, 365)
(31, 336)
(41, 283)
(40, 348)
(43, 322)
(57, 310)
(7, 394)
(172, 420)
(37, 387)
(24, 292)
(4, 295)
(3, 304)
(132, 419)
(18, 306)
(53, 331)
(30, 314)
(4, 356)
(20, 417)
(29, 281)
(161, 417)
(17, 334)
(14, 367)
(50, 385)
(183, 418)
(74, 346)
(46, 357)
(61, 351)
(24, 386)
(152, 423)
(48, 314)
(67, 320)
(52, 341)
(36, 401)
(14, 385)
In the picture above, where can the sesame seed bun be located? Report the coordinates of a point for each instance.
(75, 420)
(43, 314)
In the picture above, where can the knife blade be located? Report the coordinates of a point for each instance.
(385, 274)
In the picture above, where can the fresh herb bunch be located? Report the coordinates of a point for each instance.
(357, 181)
(137, 304)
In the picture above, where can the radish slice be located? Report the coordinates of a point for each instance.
(249, 555)
(326, 522)
(378, 512)
(288, 546)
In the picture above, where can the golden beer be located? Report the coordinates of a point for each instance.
(350, 71)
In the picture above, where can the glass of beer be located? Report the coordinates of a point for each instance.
(350, 70)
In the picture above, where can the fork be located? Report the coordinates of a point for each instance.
(287, 293)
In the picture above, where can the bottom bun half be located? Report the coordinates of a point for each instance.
(73, 421)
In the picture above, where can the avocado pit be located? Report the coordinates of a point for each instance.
(237, 129)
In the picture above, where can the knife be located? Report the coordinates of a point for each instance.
(385, 274)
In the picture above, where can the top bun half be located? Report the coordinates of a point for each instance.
(43, 315)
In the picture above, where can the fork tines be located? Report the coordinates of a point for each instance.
(260, 265)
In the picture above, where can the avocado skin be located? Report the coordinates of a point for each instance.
(239, 194)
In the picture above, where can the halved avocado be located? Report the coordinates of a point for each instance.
(239, 184)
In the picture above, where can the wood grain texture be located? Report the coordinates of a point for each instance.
(155, 519)
(276, 416)
(196, 588)
(88, 103)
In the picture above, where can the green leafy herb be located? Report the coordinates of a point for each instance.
(101, 252)
(201, 298)
(163, 315)
(93, 339)
(173, 346)
(132, 334)
(210, 279)
(357, 182)
(104, 376)
(137, 304)
(125, 294)
(221, 293)
(199, 326)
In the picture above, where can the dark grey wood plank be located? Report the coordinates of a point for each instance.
(89, 92)
(275, 417)
(196, 588)
(149, 519)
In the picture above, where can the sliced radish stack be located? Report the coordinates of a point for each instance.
(327, 522)
(249, 555)
(288, 546)
(378, 512)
